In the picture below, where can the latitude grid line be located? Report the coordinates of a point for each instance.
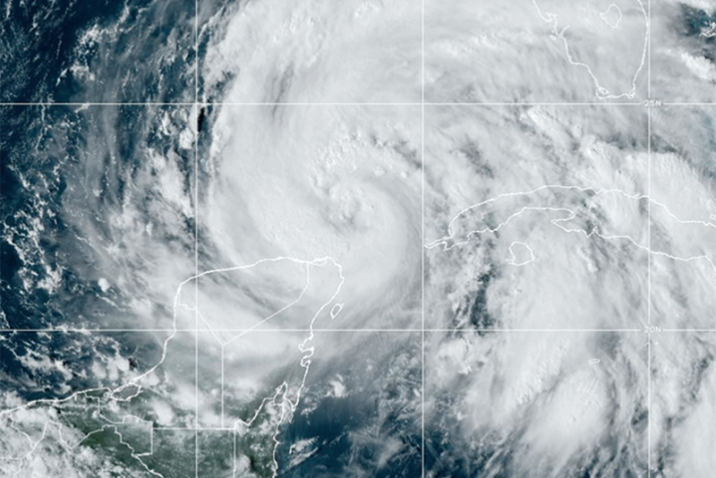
(356, 104)
(366, 330)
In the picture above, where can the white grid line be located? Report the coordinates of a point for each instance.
(689, 104)
(648, 51)
(434, 103)
(196, 237)
(426, 103)
(95, 103)
(648, 294)
(366, 330)
(221, 429)
(648, 239)
(422, 239)
(688, 331)
(364, 104)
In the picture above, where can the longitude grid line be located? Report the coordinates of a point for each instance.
(648, 245)
(196, 238)
(648, 294)
(422, 239)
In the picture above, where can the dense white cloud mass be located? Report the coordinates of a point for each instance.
(539, 50)
(315, 51)
(470, 240)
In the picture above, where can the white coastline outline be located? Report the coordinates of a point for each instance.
(287, 405)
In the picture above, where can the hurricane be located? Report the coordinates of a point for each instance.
(357, 239)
